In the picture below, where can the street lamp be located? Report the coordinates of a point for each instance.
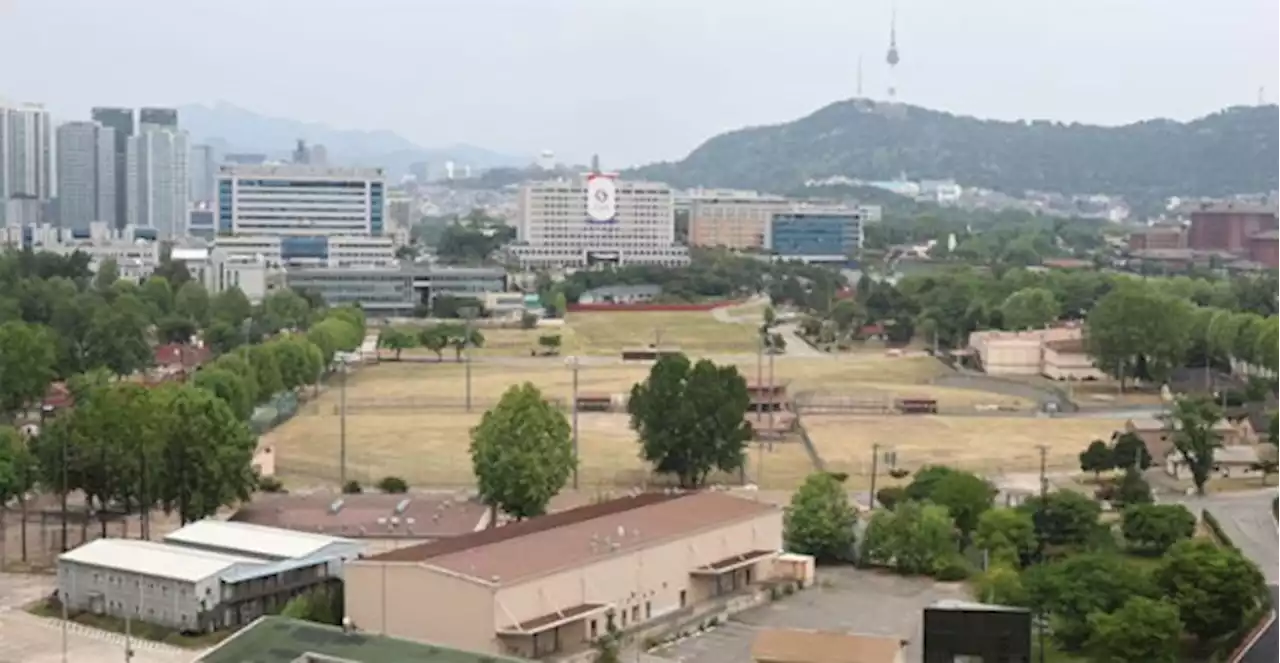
(573, 364)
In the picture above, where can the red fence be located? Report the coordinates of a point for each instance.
(705, 306)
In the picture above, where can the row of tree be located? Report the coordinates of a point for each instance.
(436, 338)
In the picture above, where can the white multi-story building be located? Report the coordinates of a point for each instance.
(337, 251)
(219, 269)
(135, 251)
(596, 219)
(300, 200)
(204, 170)
(86, 175)
(158, 185)
(27, 157)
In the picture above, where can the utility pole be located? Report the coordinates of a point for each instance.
(772, 391)
(469, 313)
(573, 365)
(875, 467)
(759, 372)
(342, 424)
(1044, 489)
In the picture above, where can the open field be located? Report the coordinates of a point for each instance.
(989, 445)
(694, 332)
(410, 419)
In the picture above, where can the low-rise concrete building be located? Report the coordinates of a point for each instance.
(1056, 352)
(205, 576)
(552, 585)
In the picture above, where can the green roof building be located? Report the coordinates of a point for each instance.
(276, 639)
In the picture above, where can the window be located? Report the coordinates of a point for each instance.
(683, 597)
(594, 629)
(635, 613)
(648, 609)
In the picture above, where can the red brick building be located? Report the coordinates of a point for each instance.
(1228, 226)
(1158, 238)
(1264, 249)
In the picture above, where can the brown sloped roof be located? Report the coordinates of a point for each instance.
(799, 646)
(541, 545)
(424, 516)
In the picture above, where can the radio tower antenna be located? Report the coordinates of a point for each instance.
(892, 56)
(859, 94)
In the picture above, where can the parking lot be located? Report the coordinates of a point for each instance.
(844, 599)
(25, 638)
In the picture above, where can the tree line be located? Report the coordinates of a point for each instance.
(128, 444)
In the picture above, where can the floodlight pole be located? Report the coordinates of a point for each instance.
(573, 366)
(1044, 489)
(469, 313)
(875, 467)
(342, 425)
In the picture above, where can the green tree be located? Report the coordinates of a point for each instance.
(108, 274)
(521, 452)
(192, 302)
(926, 480)
(117, 337)
(176, 329)
(1194, 420)
(222, 337)
(1077, 586)
(1063, 518)
(394, 338)
(228, 386)
(1214, 587)
(1136, 327)
(435, 339)
(914, 539)
(14, 481)
(237, 364)
(157, 294)
(206, 454)
(1030, 308)
(266, 370)
(28, 356)
(966, 497)
(1154, 528)
(691, 418)
(287, 308)
(1142, 630)
(230, 306)
(292, 360)
(820, 520)
(1001, 584)
(1096, 458)
(1008, 535)
(1130, 451)
(1133, 489)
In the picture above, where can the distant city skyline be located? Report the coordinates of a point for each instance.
(639, 81)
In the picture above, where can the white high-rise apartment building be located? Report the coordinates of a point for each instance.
(204, 173)
(596, 219)
(158, 187)
(86, 175)
(27, 158)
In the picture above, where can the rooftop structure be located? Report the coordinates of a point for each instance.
(155, 559)
(251, 540)
(276, 639)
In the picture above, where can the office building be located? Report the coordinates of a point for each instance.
(202, 222)
(120, 120)
(86, 175)
(1227, 226)
(313, 251)
(204, 173)
(219, 269)
(207, 575)
(158, 180)
(1158, 238)
(593, 220)
(396, 291)
(553, 585)
(300, 200)
(732, 219)
(27, 158)
(830, 236)
(158, 117)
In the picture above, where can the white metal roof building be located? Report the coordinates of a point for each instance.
(154, 559)
(267, 543)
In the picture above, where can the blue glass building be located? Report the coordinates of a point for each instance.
(815, 236)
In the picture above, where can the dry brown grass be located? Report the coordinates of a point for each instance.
(694, 332)
(408, 419)
(981, 444)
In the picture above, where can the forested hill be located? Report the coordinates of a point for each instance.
(1233, 151)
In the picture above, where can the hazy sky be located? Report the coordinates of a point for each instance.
(635, 80)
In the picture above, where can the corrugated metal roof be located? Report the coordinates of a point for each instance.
(154, 559)
(189, 254)
(250, 539)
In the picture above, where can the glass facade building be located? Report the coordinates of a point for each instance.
(816, 236)
(300, 201)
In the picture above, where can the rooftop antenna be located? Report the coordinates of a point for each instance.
(859, 93)
(595, 164)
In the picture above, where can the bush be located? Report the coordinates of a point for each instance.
(890, 495)
(270, 485)
(352, 487)
(953, 570)
(393, 485)
(528, 321)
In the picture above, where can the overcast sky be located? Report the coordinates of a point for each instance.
(635, 80)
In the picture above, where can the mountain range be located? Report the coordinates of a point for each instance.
(1229, 152)
(235, 129)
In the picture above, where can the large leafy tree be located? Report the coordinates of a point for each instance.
(117, 336)
(28, 356)
(1154, 528)
(1214, 587)
(1008, 535)
(205, 453)
(397, 339)
(1077, 586)
(157, 294)
(230, 306)
(820, 519)
(691, 418)
(1063, 518)
(1195, 437)
(228, 386)
(914, 538)
(521, 452)
(1096, 458)
(192, 302)
(966, 497)
(1143, 630)
(1030, 308)
(1137, 331)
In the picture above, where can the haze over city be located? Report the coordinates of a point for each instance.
(634, 80)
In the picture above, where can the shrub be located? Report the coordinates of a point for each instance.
(890, 495)
(352, 487)
(270, 485)
(953, 570)
(393, 485)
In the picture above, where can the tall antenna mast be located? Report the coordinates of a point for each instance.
(892, 57)
(859, 95)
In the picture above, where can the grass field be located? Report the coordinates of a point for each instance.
(989, 445)
(694, 332)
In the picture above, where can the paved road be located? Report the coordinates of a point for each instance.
(1245, 517)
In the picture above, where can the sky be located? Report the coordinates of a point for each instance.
(635, 80)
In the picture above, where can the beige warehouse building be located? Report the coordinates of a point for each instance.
(551, 585)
